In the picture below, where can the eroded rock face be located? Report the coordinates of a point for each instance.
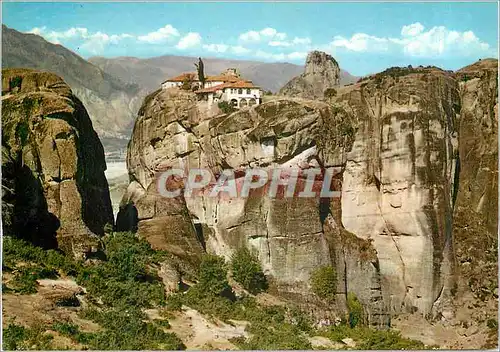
(392, 143)
(321, 73)
(476, 207)
(399, 181)
(55, 194)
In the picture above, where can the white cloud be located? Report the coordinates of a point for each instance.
(295, 42)
(239, 50)
(279, 43)
(360, 42)
(93, 42)
(250, 36)
(216, 48)
(270, 56)
(161, 35)
(297, 55)
(412, 29)
(416, 41)
(190, 40)
(266, 33)
(301, 41)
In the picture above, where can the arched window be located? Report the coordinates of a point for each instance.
(249, 91)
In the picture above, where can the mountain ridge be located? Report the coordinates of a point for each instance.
(269, 75)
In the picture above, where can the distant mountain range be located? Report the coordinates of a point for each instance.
(111, 103)
(112, 89)
(149, 73)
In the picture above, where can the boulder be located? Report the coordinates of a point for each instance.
(55, 193)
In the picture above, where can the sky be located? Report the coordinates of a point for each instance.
(364, 37)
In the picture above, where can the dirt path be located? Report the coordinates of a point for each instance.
(197, 332)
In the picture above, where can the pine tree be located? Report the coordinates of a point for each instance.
(201, 73)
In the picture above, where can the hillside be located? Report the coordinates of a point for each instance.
(149, 73)
(112, 104)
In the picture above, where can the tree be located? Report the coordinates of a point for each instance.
(201, 73)
(323, 282)
(248, 272)
(355, 310)
(212, 275)
(187, 83)
(226, 107)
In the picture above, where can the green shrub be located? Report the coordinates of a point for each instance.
(371, 339)
(125, 283)
(324, 282)
(125, 329)
(174, 302)
(492, 324)
(126, 278)
(247, 271)
(355, 310)
(277, 337)
(66, 329)
(213, 276)
(330, 92)
(389, 340)
(163, 323)
(17, 337)
(226, 107)
(16, 82)
(22, 132)
(16, 250)
(13, 336)
(24, 281)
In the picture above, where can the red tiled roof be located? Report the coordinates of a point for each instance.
(238, 84)
(211, 89)
(182, 77)
(222, 78)
(241, 84)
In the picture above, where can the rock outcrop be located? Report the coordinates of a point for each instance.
(321, 73)
(54, 192)
(400, 178)
(393, 144)
(411, 150)
(476, 207)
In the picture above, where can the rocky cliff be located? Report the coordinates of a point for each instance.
(54, 192)
(394, 145)
(476, 208)
(321, 73)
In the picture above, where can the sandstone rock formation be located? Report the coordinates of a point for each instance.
(399, 181)
(476, 207)
(392, 142)
(321, 72)
(54, 192)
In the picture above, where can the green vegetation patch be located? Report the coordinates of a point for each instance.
(355, 308)
(247, 271)
(126, 329)
(371, 339)
(226, 107)
(17, 337)
(324, 282)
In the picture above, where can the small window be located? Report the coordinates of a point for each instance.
(240, 91)
(249, 91)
